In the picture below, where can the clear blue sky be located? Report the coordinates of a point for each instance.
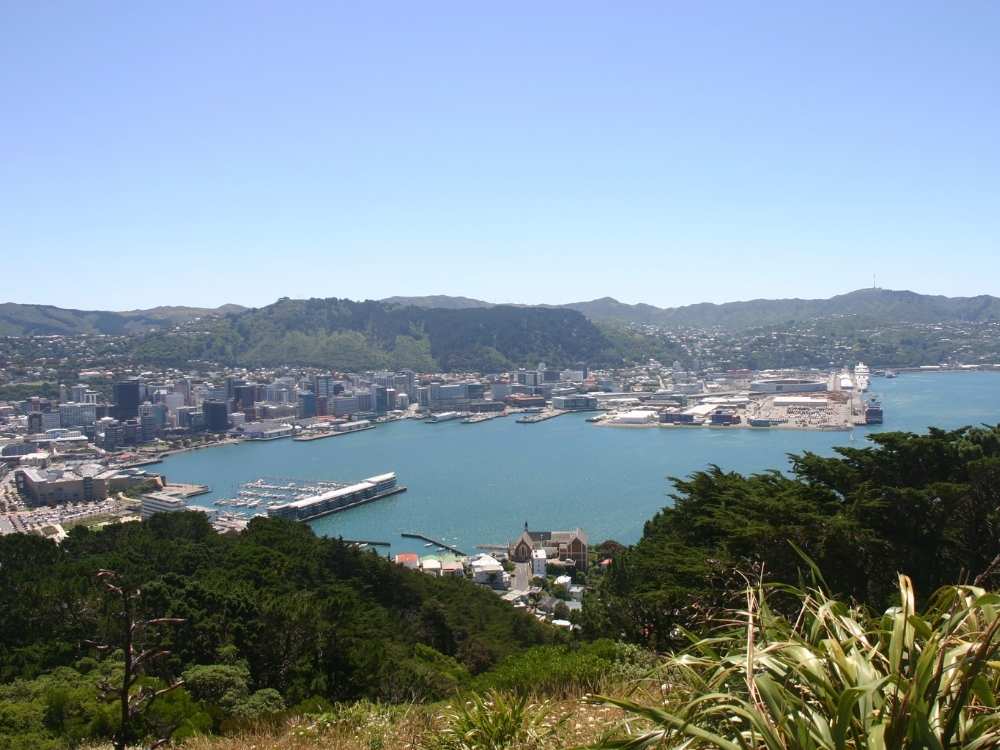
(667, 152)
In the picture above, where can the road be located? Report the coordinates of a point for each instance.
(522, 576)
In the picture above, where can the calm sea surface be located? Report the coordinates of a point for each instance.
(479, 483)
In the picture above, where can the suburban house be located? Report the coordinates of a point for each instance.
(558, 545)
(408, 560)
(539, 563)
(488, 571)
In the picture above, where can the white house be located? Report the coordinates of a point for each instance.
(539, 558)
(431, 566)
(487, 571)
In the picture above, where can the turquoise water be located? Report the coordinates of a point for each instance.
(479, 483)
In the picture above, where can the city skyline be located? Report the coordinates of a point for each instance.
(198, 155)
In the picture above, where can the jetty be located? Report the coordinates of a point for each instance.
(435, 542)
(491, 548)
(539, 417)
(179, 489)
(320, 434)
(477, 418)
(365, 543)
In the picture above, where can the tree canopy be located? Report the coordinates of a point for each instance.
(927, 505)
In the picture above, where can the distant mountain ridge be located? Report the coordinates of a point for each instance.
(877, 305)
(884, 306)
(439, 301)
(47, 320)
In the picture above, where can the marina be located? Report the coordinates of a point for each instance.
(337, 499)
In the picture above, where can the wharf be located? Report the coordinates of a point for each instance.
(143, 462)
(327, 434)
(185, 490)
(365, 543)
(435, 542)
(394, 491)
(477, 418)
(540, 417)
(493, 548)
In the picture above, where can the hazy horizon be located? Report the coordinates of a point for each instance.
(197, 154)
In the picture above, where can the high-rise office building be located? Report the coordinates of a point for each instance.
(307, 404)
(406, 382)
(323, 385)
(76, 414)
(158, 412)
(127, 399)
(245, 396)
(380, 399)
(216, 415)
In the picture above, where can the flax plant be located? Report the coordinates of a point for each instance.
(494, 721)
(832, 676)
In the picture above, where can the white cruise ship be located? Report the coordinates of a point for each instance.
(861, 376)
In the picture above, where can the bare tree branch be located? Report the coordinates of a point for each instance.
(132, 634)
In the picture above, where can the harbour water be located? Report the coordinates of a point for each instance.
(480, 483)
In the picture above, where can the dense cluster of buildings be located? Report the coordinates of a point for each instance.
(142, 409)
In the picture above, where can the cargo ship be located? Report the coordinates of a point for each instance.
(873, 412)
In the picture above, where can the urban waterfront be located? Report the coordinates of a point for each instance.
(479, 484)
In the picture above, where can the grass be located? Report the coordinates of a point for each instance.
(450, 726)
(834, 676)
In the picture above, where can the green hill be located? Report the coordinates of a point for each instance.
(46, 320)
(884, 306)
(349, 335)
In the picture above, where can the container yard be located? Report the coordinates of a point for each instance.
(813, 402)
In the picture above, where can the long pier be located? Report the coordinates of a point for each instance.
(320, 434)
(329, 511)
(540, 416)
(442, 545)
(368, 542)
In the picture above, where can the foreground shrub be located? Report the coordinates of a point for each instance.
(493, 721)
(560, 671)
(835, 676)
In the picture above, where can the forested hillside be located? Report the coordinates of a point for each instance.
(350, 335)
(873, 306)
(274, 609)
(924, 505)
(870, 306)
